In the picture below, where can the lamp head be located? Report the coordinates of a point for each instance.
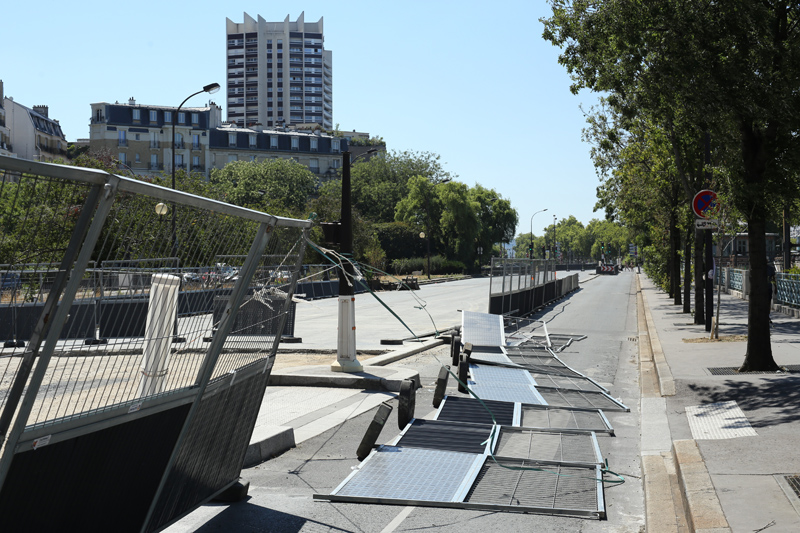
(211, 88)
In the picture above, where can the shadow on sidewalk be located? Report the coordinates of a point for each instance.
(779, 395)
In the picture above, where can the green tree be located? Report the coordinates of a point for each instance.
(497, 219)
(379, 183)
(726, 68)
(277, 186)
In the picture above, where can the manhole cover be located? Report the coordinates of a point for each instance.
(732, 371)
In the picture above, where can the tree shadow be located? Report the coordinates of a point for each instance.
(778, 397)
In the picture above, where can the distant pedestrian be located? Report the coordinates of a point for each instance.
(770, 282)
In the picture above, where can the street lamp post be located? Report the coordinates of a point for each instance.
(346, 360)
(554, 238)
(533, 215)
(210, 89)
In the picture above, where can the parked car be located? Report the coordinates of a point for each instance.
(10, 281)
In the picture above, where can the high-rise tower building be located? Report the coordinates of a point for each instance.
(279, 73)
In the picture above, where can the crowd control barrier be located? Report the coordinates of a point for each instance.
(136, 429)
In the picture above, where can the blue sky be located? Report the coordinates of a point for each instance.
(471, 81)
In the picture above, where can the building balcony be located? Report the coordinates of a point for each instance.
(198, 168)
(197, 147)
(155, 144)
(156, 166)
(122, 142)
(179, 145)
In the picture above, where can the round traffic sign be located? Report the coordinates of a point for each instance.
(705, 203)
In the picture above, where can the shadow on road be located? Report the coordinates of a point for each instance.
(243, 516)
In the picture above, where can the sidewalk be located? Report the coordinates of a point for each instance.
(727, 442)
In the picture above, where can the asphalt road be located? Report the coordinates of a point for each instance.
(281, 490)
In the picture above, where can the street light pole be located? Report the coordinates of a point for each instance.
(533, 215)
(210, 89)
(554, 237)
(346, 360)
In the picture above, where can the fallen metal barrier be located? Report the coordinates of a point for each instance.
(136, 431)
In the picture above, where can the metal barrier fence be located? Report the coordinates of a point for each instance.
(140, 426)
(737, 277)
(788, 292)
(787, 285)
(520, 286)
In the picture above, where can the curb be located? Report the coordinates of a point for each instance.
(704, 512)
(666, 383)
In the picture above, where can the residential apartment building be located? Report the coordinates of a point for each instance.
(29, 133)
(278, 73)
(140, 138)
(5, 132)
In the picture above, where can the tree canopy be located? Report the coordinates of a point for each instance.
(721, 74)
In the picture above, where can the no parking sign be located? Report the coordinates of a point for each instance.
(705, 204)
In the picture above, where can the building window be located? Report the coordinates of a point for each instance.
(137, 114)
(154, 140)
(314, 166)
(167, 117)
(153, 161)
(181, 118)
(123, 138)
(179, 160)
(195, 118)
(178, 140)
(195, 141)
(295, 143)
(153, 116)
(195, 161)
(335, 145)
(231, 139)
(252, 140)
(123, 158)
(273, 142)
(314, 145)
(136, 158)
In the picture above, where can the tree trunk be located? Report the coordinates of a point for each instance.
(699, 284)
(759, 350)
(787, 240)
(675, 247)
(687, 273)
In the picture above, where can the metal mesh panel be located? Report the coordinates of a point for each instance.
(409, 474)
(440, 435)
(568, 398)
(470, 410)
(507, 392)
(157, 268)
(534, 416)
(551, 487)
(486, 373)
(482, 329)
(547, 446)
(564, 382)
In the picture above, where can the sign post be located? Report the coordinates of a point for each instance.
(705, 205)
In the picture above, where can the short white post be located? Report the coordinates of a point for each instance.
(161, 314)
(346, 360)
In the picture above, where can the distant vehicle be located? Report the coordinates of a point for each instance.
(10, 281)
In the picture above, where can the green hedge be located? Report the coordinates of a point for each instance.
(439, 265)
